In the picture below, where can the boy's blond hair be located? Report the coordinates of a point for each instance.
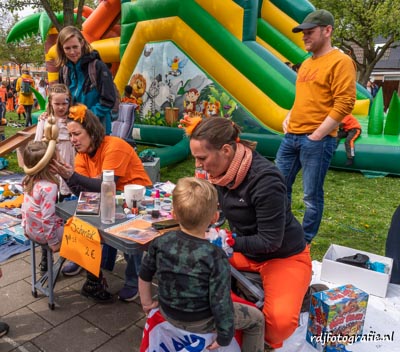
(194, 201)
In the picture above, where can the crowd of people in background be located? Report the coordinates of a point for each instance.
(10, 98)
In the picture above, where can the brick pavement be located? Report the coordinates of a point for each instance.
(76, 323)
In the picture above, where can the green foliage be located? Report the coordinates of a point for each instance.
(50, 7)
(155, 120)
(28, 51)
(14, 6)
(228, 105)
(358, 25)
(56, 5)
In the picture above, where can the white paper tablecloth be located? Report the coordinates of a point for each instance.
(383, 317)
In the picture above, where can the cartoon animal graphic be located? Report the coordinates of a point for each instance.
(350, 307)
(138, 83)
(176, 65)
(211, 108)
(149, 104)
(190, 101)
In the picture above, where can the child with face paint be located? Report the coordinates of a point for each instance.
(59, 101)
(58, 106)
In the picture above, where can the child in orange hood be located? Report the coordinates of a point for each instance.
(350, 129)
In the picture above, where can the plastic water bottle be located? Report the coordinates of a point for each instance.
(107, 203)
(157, 200)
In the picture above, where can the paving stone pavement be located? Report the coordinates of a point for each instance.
(77, 324)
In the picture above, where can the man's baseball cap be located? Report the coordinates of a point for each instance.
(314, 19)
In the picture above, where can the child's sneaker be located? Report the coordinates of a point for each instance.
(267, 348)
(71, 269)
(128, 294)
(43, 266)
(43, 262)
(97, 290)
(3, 329)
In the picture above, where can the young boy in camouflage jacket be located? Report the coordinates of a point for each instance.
(194, 279)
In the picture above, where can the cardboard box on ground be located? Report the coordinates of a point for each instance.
(336, 318)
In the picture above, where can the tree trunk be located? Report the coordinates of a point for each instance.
(68, 6)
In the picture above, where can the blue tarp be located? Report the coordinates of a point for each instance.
(11, 248)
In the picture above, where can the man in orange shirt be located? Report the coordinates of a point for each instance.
(325, 94)
(350, 129)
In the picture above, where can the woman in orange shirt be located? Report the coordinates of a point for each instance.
(97, 152)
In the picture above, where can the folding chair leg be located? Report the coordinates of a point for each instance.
(50, 282)
(33, 270)
(47, 282)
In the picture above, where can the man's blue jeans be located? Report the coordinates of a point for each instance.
(297, 152)
(133, 262)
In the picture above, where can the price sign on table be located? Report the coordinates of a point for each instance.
(81, 244)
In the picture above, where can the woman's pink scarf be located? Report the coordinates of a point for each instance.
(237, 170)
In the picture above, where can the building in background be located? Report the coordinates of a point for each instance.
(386, 74)
(12, 71)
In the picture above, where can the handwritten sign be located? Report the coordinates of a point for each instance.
(81, 244)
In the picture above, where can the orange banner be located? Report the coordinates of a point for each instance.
(81, 244)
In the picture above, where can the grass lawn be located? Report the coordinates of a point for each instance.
(357, 211)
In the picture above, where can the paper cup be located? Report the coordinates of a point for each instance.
(133, 193)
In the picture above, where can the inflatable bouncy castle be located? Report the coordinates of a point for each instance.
(223, 57)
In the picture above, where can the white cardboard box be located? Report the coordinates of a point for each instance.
(372, 282)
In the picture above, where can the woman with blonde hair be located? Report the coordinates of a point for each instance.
(75, 56)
